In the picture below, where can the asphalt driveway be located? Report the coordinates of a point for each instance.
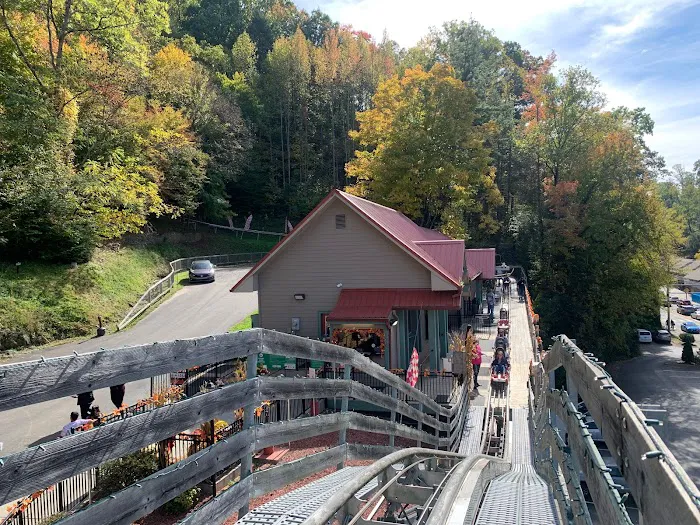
(194, 311)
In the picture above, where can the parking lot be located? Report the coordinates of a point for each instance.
(659, 377)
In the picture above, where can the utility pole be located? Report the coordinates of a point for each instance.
(668, 308)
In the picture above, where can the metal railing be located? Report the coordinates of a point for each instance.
(441, 387)
(242, 231)
(164, 285)
(61, 498)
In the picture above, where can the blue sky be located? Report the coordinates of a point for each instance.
(646, 53)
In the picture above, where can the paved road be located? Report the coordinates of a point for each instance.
(194, 311)
(658, 377)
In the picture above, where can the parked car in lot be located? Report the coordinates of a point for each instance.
(662, 336)
(685, 309)
(202, 271)
(690, 327)
(674, 299)
(644, 336)
(695, 314)
(684, 302)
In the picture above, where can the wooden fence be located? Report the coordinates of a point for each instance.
(658, 484)
(33, 469)
(241, 231)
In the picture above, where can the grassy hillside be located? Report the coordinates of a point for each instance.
(48, 302)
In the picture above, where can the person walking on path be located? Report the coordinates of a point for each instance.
(116, 393)
(85, 399)
(490, 302)
(476, 363)
(74, 423)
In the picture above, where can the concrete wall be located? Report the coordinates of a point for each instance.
(322, 256)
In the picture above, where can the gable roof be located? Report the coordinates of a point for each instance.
(403, 231)
(437, 252)
(449, 254)
(480, 261)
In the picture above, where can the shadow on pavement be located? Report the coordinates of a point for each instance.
(45, 439)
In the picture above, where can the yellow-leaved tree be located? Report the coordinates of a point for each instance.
(422, 153)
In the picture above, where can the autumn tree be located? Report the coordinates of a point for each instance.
(605, 236)
(423, 155)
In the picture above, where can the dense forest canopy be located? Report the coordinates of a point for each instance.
(113, 112)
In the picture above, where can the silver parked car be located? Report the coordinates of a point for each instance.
(662, 336)
(202, 272)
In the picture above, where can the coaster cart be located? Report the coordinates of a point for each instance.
(499, 380)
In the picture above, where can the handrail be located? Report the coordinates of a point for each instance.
(32, 382)
(629, 438)
(233, 228)
(385, 486)
(164, 285)
(343, 496)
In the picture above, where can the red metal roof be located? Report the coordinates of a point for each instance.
(364, 304)
(447, 261)
(449, 254)
(480, 261)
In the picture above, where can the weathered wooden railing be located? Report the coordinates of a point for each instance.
(658, 484)
(38, 467)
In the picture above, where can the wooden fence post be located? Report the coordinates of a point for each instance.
(392, 438)
(347, 375)
(420, 425)
(212, 440)
(248, 421)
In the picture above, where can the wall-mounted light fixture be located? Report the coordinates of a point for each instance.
(339, 285)
(393, 319)
(299, 296)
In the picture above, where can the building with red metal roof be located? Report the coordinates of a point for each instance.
(362, 274)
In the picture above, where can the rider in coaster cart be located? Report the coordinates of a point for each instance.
(500, 364)
(501, 341)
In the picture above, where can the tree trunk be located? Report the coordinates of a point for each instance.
(336, 182)
(284, 178)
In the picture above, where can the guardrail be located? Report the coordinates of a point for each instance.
(32, 382)
(657, 482)
(163, 286)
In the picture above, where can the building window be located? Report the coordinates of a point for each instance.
(340, 222)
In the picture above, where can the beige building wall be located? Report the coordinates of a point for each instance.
(320, 257)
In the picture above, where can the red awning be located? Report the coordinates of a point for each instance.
(362, 304)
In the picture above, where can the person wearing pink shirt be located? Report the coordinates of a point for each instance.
(476, 363)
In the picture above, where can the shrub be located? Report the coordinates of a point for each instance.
(183, 502)
(120, 473)
(687, 337)
(687, 355)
